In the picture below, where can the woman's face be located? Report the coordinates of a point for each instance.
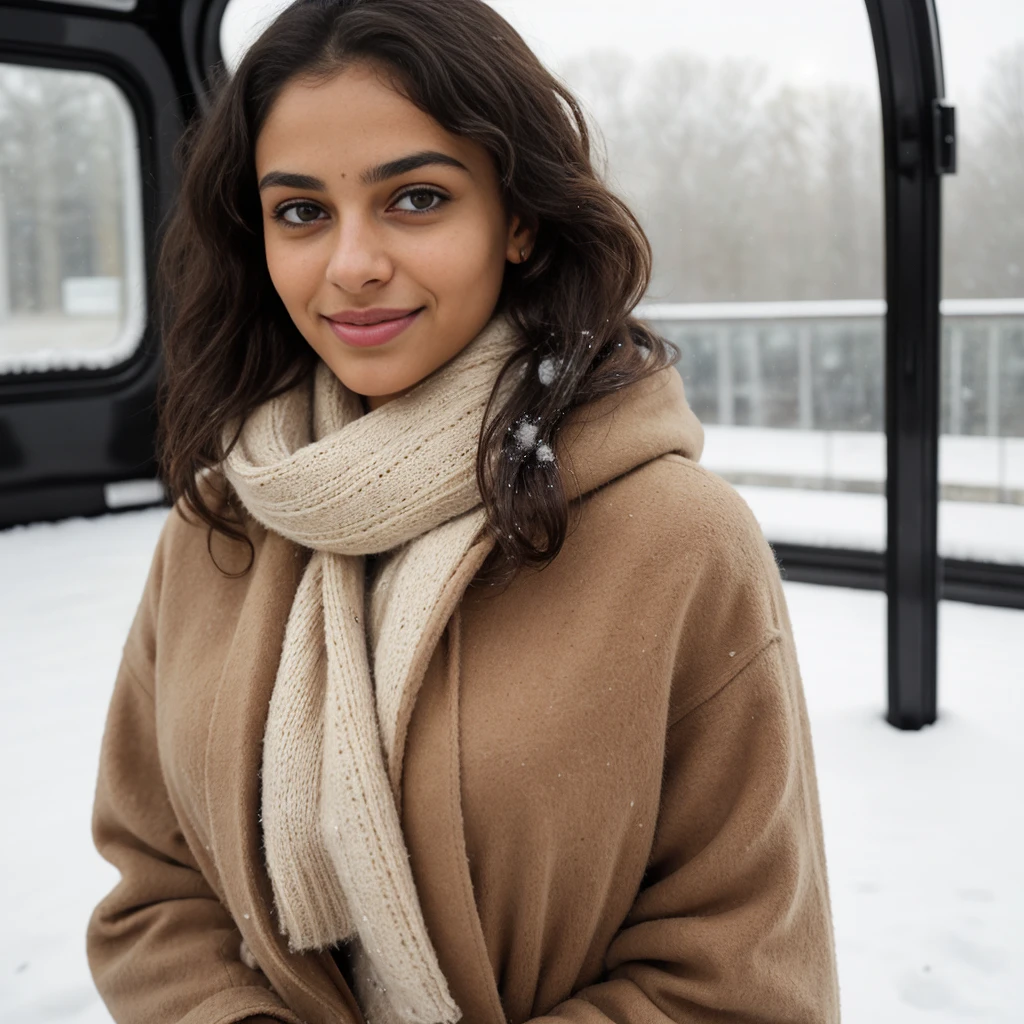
(386, 236)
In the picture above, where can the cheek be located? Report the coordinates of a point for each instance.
(469, 254)
(295, 272)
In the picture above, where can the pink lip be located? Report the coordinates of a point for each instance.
(353, 329)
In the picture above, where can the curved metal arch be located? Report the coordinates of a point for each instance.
(908, 53)
(200, 37)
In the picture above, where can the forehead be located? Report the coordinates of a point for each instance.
(350, 121)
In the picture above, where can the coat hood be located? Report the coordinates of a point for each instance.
(605, 439)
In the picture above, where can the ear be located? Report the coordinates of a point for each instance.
(521, 236)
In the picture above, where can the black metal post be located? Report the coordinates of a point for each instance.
(910, 75)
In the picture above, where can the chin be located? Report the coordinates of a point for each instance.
(375, 385)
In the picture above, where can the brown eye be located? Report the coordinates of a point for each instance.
(298, 213)
(421, 200)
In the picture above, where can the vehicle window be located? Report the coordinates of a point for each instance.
(72, 290)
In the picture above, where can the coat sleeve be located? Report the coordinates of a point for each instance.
(732, 921)
(161, 946)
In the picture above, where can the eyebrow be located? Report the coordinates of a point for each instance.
(374, 176)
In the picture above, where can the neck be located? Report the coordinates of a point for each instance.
(371, 402)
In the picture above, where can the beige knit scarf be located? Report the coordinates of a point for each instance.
(401, 479)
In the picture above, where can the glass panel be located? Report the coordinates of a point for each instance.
(981, 451)
(71, 250)
(747, 138)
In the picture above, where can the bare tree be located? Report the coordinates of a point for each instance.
(61, 142)
(747, 190)
(984, 208)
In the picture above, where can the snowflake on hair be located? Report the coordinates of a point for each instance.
(525, 436)
(548, 370)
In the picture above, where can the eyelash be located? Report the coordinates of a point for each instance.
(280, 211)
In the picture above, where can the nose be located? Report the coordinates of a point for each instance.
(359, 259)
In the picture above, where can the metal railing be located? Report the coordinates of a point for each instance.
(820, 365)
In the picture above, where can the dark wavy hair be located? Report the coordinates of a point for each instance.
(229, 343)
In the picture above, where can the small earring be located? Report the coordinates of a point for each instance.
(522, 255)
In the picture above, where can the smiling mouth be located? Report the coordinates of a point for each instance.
(369, 317)
(373, 327)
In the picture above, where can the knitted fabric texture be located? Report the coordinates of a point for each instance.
(400, 479)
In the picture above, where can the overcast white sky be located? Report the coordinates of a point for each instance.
(801, 40)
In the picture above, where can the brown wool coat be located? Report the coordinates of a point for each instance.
(607, 787)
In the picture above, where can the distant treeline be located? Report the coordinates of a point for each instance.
(751, 191)
(64, 140)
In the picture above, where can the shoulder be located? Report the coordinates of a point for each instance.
(683, 512)
(199, 580)
(186, 535)
(190, 559)
(697, 552)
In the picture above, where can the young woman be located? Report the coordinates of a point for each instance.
(458, 690)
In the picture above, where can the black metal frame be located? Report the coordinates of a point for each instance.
(65, 434)
(838, 567)
(982, 583)
(911, 81)
(200, 35)
(987, 583)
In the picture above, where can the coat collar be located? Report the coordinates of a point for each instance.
(607, 438)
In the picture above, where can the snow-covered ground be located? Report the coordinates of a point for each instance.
(991, 531)
(994, 463)
(984, 530)
(922, 828)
